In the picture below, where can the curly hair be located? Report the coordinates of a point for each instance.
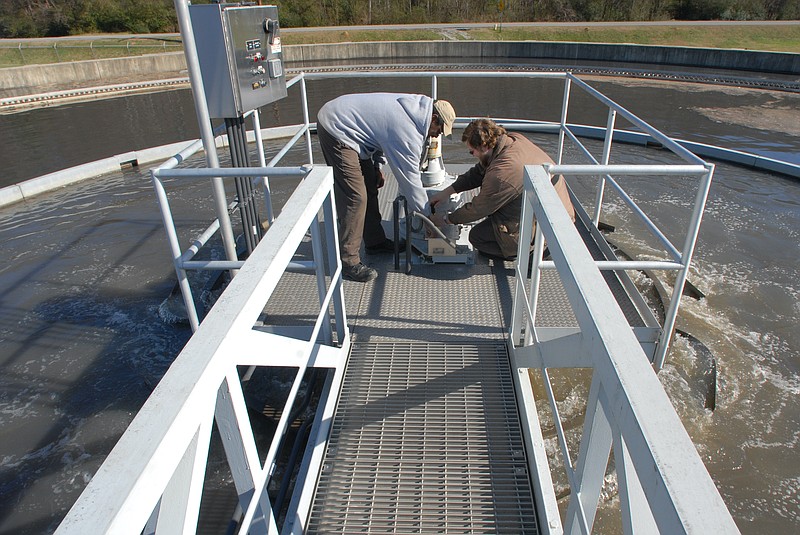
(482, 132)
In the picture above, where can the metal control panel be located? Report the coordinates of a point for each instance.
(239, 49)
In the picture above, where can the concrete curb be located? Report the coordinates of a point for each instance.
(16, 81)
(35, 186)
(29, 188)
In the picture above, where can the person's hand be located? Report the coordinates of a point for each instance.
(437, 219)
(438, 198)
(379, 178)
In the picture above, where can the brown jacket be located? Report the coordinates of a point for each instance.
(500, 197)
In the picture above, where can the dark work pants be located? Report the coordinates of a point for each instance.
(355, 189)
(483, 238)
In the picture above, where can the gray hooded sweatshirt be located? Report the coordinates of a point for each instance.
(384, 127)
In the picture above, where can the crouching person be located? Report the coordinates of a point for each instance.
(502, 157)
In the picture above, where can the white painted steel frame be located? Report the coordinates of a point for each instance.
(663, 484)
(632, 449)
(182, 260)
(156, 470)
(695, 166)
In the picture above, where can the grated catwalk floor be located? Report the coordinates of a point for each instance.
(426, 439)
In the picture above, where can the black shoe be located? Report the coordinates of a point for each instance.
(386, 246)
(359, 273)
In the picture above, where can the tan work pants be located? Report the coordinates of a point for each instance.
(355, 189)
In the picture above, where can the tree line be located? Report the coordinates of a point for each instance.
(52, 18)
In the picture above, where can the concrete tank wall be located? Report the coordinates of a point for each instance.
(746, 60)
(17, 81)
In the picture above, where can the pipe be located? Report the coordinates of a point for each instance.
(204, 122)
(434, 228)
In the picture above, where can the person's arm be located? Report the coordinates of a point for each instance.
(470, 180)
(441, 197)
(405, 166)
(494, 194)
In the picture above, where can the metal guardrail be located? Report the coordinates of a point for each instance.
(156, 470)
(98, 49)
(183, 260)
(693, 166)
(696, 167)
(663, 485)
(612, 405)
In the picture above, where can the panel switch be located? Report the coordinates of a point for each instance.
(275, 68)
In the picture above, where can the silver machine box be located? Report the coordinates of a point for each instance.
(239, 49)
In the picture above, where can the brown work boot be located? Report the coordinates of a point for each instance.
(359, 273)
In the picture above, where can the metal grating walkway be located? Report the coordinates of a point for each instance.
(426, 439)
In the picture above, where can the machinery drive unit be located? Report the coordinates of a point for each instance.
(239, 49)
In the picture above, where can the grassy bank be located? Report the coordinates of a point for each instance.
(768, 38)
(775, 38)
(784, 38)
(40, 52)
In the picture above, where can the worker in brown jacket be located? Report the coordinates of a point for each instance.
(499, 172)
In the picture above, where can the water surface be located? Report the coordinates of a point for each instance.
(85, 269)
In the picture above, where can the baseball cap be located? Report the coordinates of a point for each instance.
(447, 114)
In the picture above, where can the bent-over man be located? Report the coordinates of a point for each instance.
(358, 134)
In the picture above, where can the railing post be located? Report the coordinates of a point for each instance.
(686, 260)
(564, 112)
(612, 117)
(590, 470)
(175, 250)
(334, 266)
(634, 509)
(523, 265)
(241, 452)
(179, 507)
(306, 118)
(262, 161)
(319, 264)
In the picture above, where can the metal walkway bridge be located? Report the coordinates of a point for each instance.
(306, 404)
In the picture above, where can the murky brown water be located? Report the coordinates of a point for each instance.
(86, 267)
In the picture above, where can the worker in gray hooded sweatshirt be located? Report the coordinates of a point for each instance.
(359, 134)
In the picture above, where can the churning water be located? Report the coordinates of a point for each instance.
(85, 268)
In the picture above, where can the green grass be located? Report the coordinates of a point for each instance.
(39, 53)
(769, 38)
(299, 37)
(755, 37)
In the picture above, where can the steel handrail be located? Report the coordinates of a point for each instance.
(165, 447)
(663, 483)
(182, 260)
(696, 166)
